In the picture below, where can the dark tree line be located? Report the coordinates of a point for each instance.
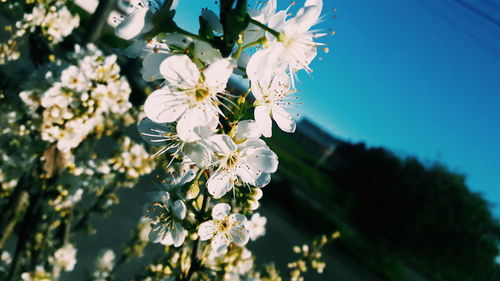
(423, 213)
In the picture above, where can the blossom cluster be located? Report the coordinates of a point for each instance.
(79, 98)
(50, 18)
(203, 128)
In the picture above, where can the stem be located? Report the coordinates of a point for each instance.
(266, 28)
(195, 261)
(255, 43)
(13, 213)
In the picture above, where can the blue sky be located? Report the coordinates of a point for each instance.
(418, 77)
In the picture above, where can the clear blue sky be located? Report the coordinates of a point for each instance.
(419, 77)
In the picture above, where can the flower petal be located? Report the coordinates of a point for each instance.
(221, 211)
(151, 66)
(180, 72)
(263, 160)
(163, 106)
(247, 129)
(178, 234)
(217, 74)
(263, 119)
(283, 119)
(199, 153)
(237, 219)
(262, 180)
(212, 19)
(135, 24)
(222, 144)
(190, 126)
(207, 230)
(239, 235)
(219, 184)
(220, 243)
(179, 209)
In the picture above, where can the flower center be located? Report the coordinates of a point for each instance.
(231, 160)
(201, 94)
(224, 225)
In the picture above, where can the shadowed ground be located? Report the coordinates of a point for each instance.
(282, 234)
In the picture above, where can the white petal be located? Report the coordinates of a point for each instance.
(180, 72)
(134, 24)
(269, 10)
(263, 64)
(199, 153)
(219, 184)
(220, 243)
(190, 126)
(159, 196)
(237, 219)
(262, 180)
(283, 119)
(179, 209)
(212, 20)
(247, 174)
(156, 234)
(309, 14)
(239, 235)
(263, 160)
(263, 119)
(222, 144)
(247, 129)
(207, 230)
(277, 21)
(163, 106)
(217, 74)
(178, 234)
(221, 211)
(205, 52)
(151, 66)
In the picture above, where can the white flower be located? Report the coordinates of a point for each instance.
(106, 261)
(271, 95)
(166, 217)
(224, 229)
(65, 258)
(5, 258)
(190, 97)
(138, 22)
(190, 143)
(253, 32)
(256, 226)
(74, 78)
(56, 95)
(295, 48)
(250, 160)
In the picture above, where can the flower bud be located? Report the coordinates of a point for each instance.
(193, 190)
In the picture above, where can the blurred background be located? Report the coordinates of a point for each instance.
(397, 143)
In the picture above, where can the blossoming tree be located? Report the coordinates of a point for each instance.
(219, 159)
(212, 157)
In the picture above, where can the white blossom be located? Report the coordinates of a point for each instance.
(248, 159)
(166, 218)
(224, 229)
(271, 102)
(256, 226)
(190, 96)
(65, 258)
(295, 47)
